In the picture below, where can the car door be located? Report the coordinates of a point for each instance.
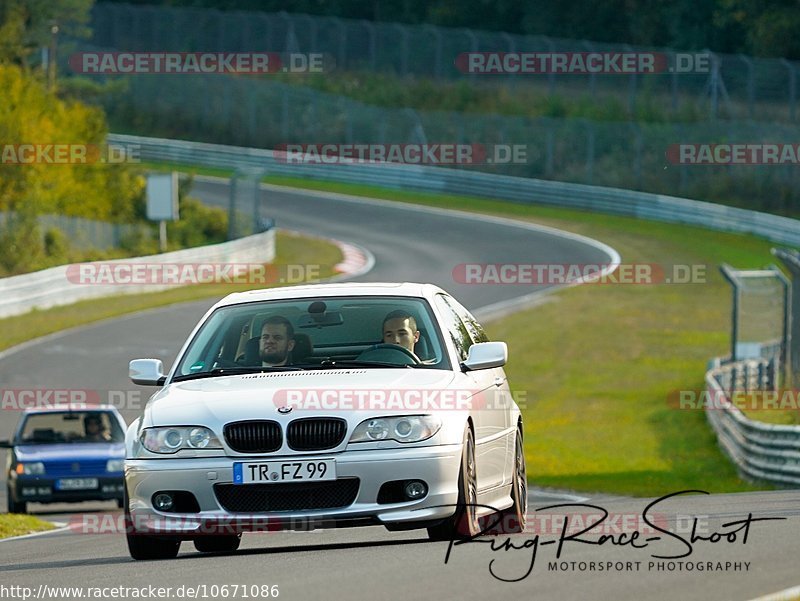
(489, 420)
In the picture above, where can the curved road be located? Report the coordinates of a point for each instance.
(413, 244)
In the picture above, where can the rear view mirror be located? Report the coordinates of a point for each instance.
(321, 320)
(319, 317)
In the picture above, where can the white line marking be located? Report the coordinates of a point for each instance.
(62, 527)
(534, 495)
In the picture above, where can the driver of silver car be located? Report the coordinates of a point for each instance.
(400, 328)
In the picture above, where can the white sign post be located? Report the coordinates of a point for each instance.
(162, 202)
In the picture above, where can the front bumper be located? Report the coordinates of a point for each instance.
(42, 489)
(438, 466)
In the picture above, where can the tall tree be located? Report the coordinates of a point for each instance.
(25, 25)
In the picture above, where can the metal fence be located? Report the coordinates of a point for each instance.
(88, 233)
(736, 86)
(266, 114)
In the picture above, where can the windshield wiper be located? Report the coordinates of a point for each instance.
(235, 371)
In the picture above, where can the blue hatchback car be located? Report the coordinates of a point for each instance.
(66, 455)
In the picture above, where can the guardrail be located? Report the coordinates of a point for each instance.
(54, 287)
(441, 180)
(760, 451)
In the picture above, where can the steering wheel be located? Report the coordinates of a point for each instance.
(409, 357)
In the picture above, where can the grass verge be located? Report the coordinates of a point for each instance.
(596, 369)
(17, 525)
(290, 249)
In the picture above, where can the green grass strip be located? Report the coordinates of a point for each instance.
(17, 525)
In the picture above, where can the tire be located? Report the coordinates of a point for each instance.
(144, 547)
(512, 520)
(15, 506)
(226, 543)
(463, 524)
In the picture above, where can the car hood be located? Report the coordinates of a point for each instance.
(80, 451)
(215, 401)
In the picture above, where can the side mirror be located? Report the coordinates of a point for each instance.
(486, 355)
(5, 444)
(147, 372)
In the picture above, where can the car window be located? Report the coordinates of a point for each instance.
(458, 332)
(325, 329)
(476, 332)
(70, 427)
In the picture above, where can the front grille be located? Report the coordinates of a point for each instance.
(68, 469)
(257, 498)
(316, 433)
(262, 436)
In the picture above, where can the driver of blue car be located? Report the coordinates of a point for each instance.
(93, 428)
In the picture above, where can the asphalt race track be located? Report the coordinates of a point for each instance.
(371, 563)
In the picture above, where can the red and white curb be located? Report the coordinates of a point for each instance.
(357, 260)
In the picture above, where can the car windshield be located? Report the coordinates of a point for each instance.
(316, 333)
(70, 427)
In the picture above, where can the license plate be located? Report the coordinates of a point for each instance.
(267, 472)
(76, 483)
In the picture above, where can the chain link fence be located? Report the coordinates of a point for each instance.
(264, 113)
(85, 234)
(736, 86)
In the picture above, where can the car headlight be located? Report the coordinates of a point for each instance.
(115, 465)
(30, 469)
(173, 439)
(402, 429)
